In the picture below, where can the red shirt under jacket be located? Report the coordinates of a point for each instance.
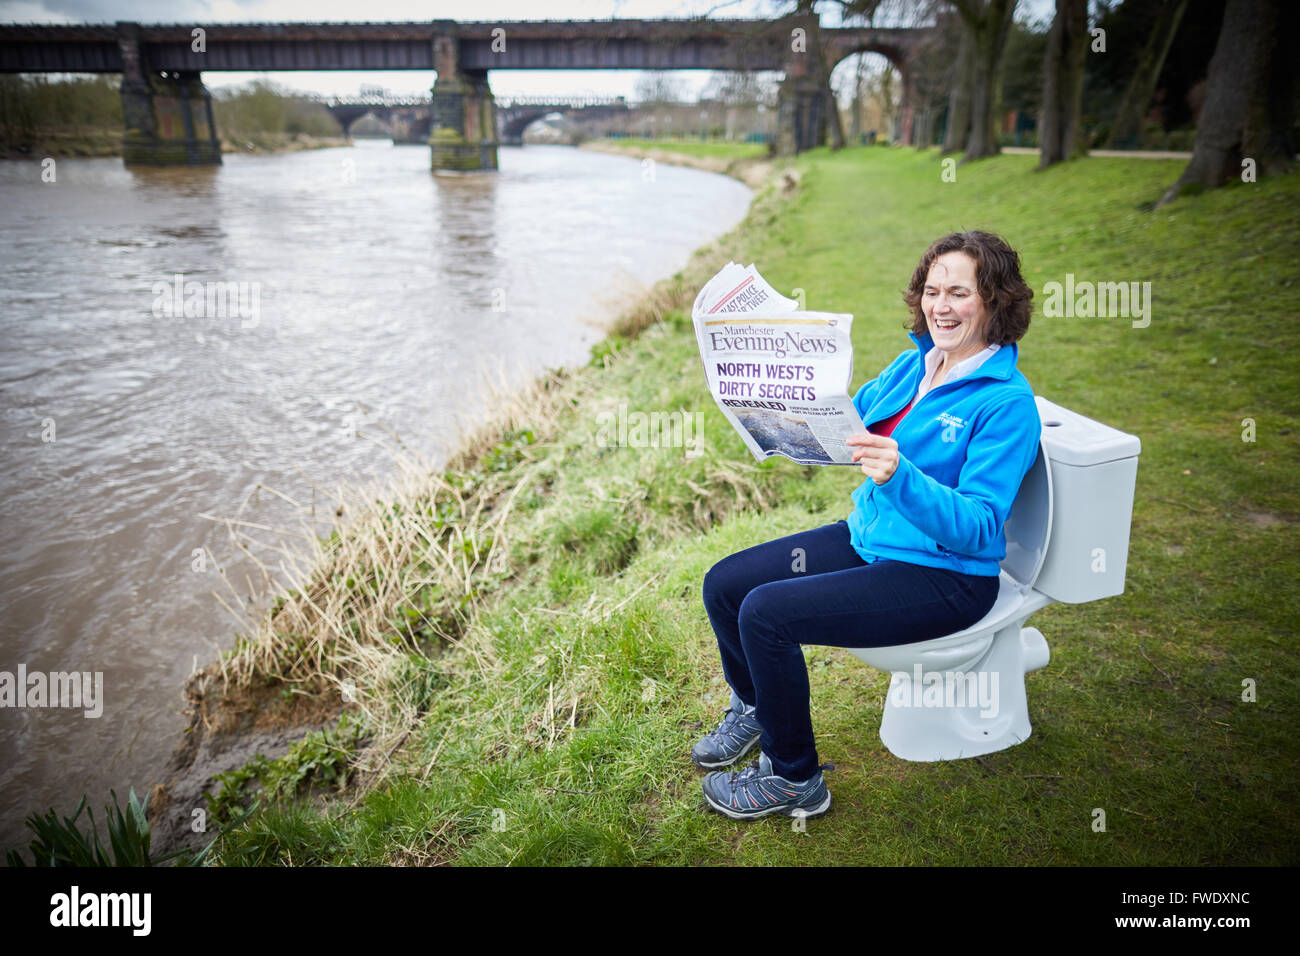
(886, 426)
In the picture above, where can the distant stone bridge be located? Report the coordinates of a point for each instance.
(167, 111)
(411, 117)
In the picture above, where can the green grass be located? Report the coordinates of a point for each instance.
(559, 723)
(710, 149)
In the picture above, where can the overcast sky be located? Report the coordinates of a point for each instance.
(504, 82)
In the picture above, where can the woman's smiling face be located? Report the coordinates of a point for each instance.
(954, 312)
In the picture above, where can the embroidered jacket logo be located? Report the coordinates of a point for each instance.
(950, 425)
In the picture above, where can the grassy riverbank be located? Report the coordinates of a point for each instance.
(747, 162)
(697, 148)
(93, 142)
(82, 116)
(530, 660)
(106, 142)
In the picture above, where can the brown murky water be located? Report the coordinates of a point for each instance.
(368, 295)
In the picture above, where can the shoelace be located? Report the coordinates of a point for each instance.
(751, 774)
(728, 724)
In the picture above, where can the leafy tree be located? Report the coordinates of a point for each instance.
(658, 87)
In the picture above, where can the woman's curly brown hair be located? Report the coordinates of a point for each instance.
(1004, 291)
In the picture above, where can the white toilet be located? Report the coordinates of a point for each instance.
(1067, 540)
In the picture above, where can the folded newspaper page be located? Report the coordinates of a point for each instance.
(780, 375)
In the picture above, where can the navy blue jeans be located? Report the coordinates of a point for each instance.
(763, 604)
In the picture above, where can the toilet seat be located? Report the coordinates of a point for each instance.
(1028, 527)
(957, 651)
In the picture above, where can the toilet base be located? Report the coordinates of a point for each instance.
(978, 709)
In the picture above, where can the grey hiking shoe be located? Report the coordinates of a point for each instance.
(757, 792)
(730, 740)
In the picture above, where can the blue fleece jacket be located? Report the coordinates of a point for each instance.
(963, 448)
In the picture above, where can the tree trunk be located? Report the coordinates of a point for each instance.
(1062, 113)
(1250, 100)
(990, 22)
(954, 138)
(855, 128)
(834, 122)
(1137, 96)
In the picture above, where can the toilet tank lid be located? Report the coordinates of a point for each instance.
(1074, 439)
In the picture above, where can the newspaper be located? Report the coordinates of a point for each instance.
(780, 375)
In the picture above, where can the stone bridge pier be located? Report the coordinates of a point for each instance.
(463, 133)
(802, 102)
(167, 116)
(802, 111)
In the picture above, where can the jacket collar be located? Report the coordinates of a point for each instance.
(999, 365)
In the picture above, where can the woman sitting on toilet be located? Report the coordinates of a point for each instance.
(952, 430)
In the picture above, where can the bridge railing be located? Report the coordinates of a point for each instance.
(502, 102)
(366, 100)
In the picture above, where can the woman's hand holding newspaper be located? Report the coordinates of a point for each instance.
(878, 455)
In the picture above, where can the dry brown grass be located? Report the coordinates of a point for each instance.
(403, 575)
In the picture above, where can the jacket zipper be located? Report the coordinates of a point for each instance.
(917, 401)
(881, 418)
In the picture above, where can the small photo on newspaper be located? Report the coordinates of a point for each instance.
(780, 375)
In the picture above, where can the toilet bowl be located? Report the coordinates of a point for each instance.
(963, 695)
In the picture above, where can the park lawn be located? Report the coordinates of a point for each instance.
(556, 728)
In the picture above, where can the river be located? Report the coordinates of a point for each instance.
(331, 294)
